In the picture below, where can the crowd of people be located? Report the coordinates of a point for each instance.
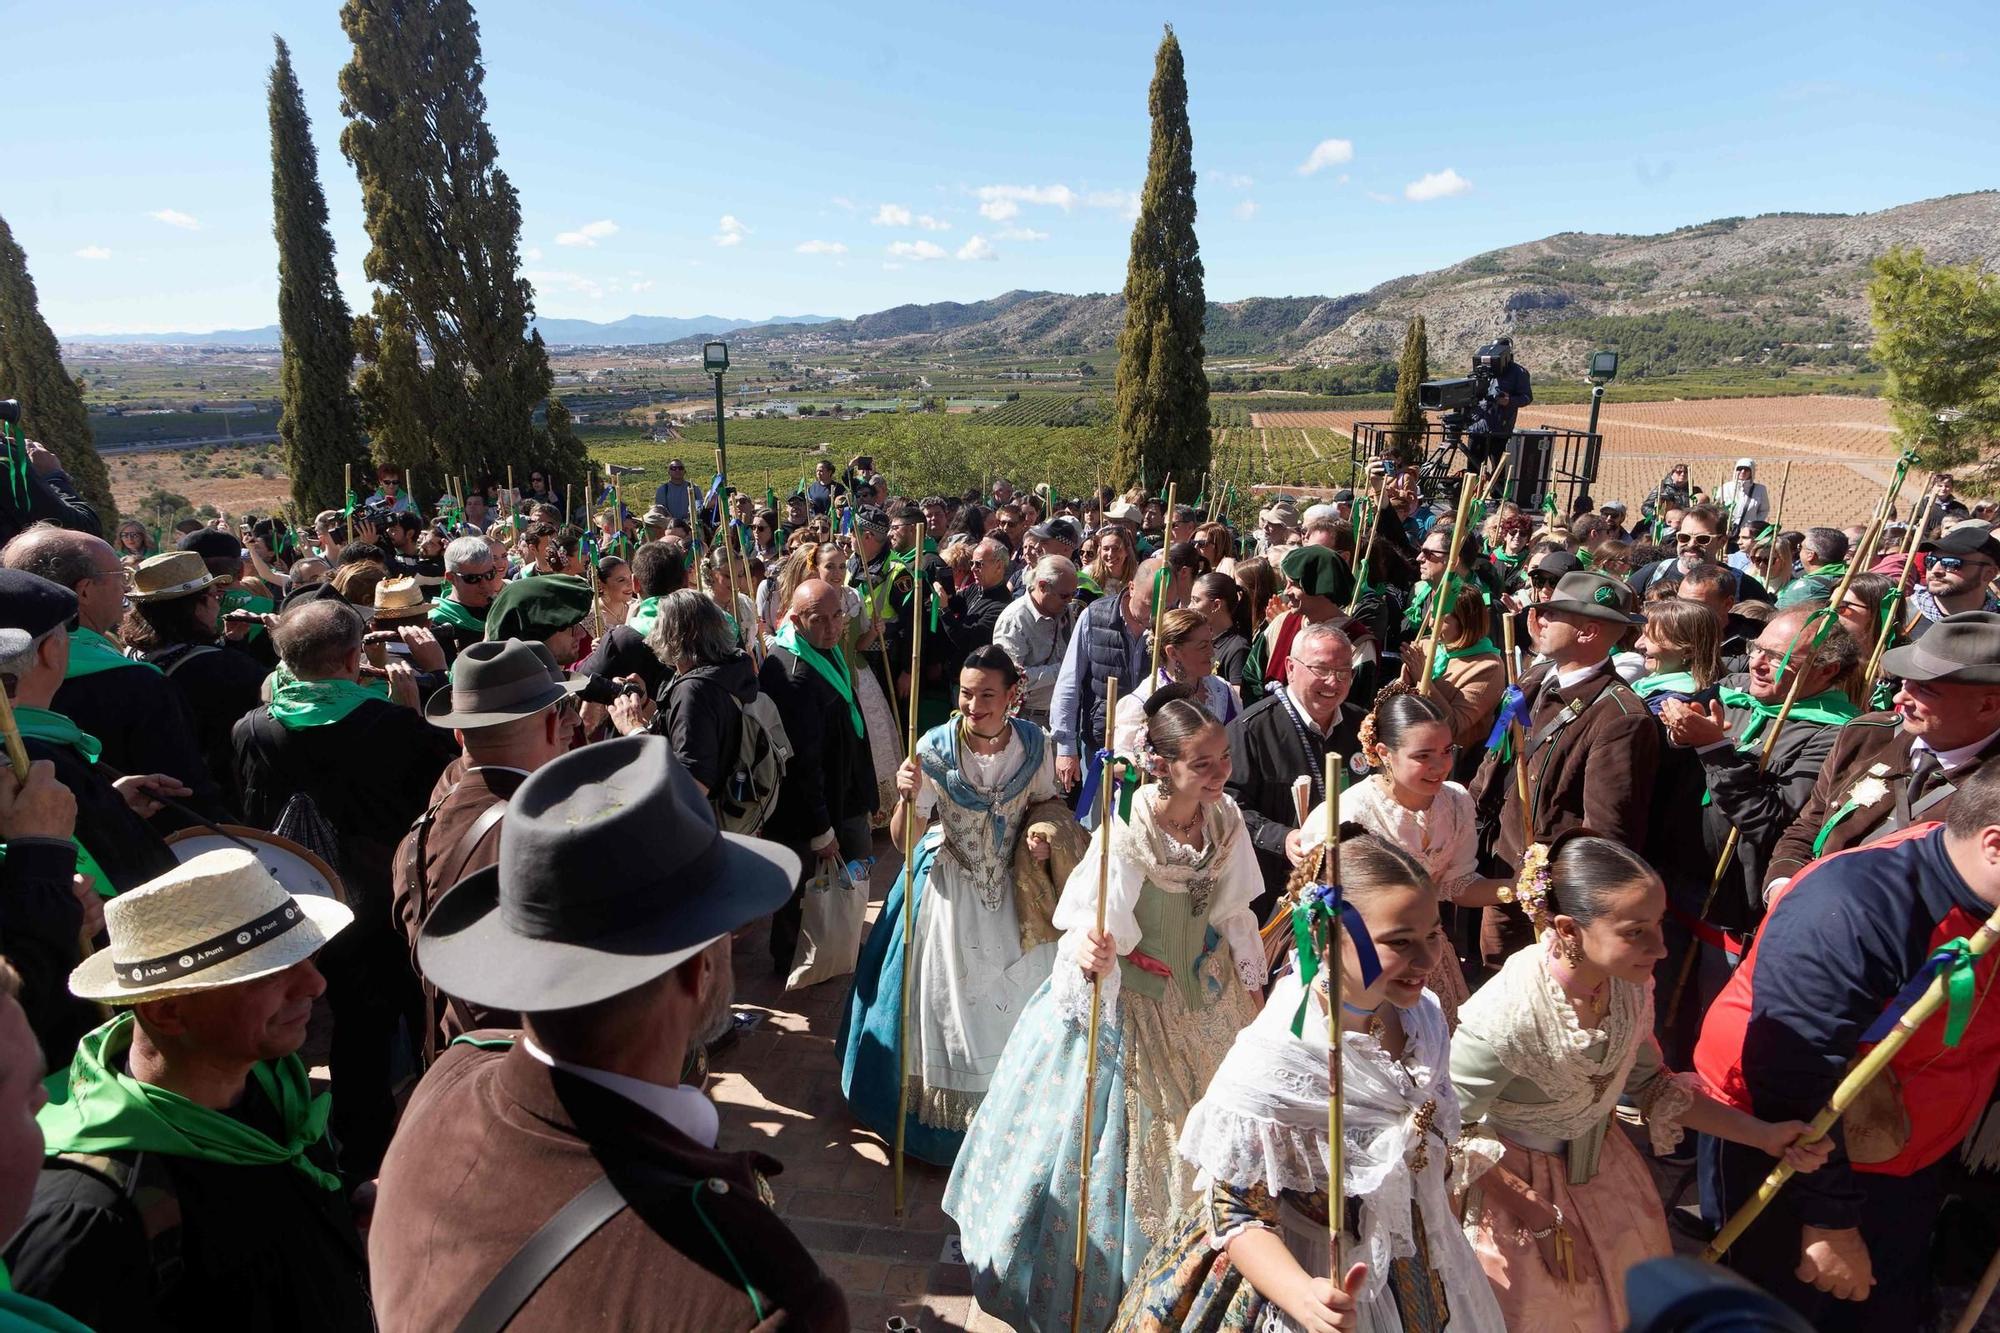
(370, 895)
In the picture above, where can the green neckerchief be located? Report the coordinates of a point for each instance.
(317, 703)
(90, 653)
(830, 670)
(1413, 616)
(1484, 647)
(18, 1312)
(906, 562)
(1680, 682)
(646, 613)
(239, 599)
(928, 546)
(1510, 564)
(1829, 708)
(448, 610)
(96, 1108)
(56, 729)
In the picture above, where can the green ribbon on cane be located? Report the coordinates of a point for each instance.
(1321, 904)
(1953, 961)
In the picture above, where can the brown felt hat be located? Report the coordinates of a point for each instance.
(1958, 650)
(1598, 596)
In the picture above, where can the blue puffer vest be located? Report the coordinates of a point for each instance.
(1106, 649)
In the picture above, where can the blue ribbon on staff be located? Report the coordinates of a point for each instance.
(1513, 708)
(1127, 782)
(1954, 959)
(1322, 904)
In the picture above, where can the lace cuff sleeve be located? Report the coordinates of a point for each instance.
(1240, 930)
(1662, 1104)
(1070, 988)
(1477, 1151)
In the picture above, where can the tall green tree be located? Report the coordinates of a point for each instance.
(1937, 334)
(318, 421)
(1412, 370)
(31, 370)
(444, 224)
(1163, 421)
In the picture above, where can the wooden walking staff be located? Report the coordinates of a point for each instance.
(1364, 548)
(1435, 613)
(1107, 817)
(1865, 1071)
(1161, 578)
(909, 897)
(1777, 527)
(1515, 739)
(1336, 1147)
(1828, 619)
(1892, 604)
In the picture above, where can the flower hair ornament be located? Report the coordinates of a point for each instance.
(1531, 889)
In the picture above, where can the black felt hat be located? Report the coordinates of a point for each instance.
(30, 606)
(611, 873)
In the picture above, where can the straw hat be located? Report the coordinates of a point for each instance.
(162, 578)
(216, 920)
(400, 599)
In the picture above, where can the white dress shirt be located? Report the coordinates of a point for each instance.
(682, 1106)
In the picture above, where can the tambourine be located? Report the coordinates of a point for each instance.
(290, 864)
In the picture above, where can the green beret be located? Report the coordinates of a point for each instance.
(1318, 572)
(536, 607)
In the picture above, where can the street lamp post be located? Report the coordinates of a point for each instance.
(715, 360)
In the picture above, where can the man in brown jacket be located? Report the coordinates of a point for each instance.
(510, 707)
(1589, 744)
(1890, 770)
(566, 1179)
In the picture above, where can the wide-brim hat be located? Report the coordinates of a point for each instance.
(162, 578)
(500, 681)
(611, 873)
(1124, 511)
(400, 598)
(1597, 596)
(1957, 650)
(218, 919)
(1283, 512)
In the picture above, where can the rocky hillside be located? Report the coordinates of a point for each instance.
(1784, 286)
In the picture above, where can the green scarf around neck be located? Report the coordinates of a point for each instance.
(56, 729)
(94, 1107)
(830, 670)
(447, 610)
(1680, 682)
(1828, 708)
(645, 614)
(91, 653)
(1483, 648)
(297, 704)
(242, 599)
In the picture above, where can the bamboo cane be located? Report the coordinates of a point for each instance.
(1435, 613)
(1330, 968)
(1777, 726)
(512, 494)
(1161, 578)
(1107, 817)
(1981, 1295)
(728, 563)
(1364, 549)
(1919, 516)
(909, 895)
(17, 753)
(1514, 736)
(1864, 1072)
(1777, 527)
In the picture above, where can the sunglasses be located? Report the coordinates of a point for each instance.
(1952, 563)
(1694, 538)
(1425, 553)
(488, 576)
(1543, 580)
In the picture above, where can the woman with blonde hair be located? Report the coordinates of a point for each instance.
(1114, 565)
(1259, 581)
(1218, 543)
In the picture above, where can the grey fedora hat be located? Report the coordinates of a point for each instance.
(611, 873)
(1958, 650)
(1597, 596)
(495, 681)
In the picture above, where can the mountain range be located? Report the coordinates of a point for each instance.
(1793, 285)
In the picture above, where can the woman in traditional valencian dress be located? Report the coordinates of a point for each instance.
(1182, 967)
(1410, 803)
(970, 969)
(1560, 1205)
(1251, 1255)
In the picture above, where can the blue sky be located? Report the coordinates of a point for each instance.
(785, 158)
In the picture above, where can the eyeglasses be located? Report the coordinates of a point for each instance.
(1695, 538)
(1338, 675)
(1768, 654)
(488, 576)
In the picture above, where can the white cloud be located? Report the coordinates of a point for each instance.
(1327, 153)
(891, 215)
(999, 210)
(1436, 185)
(590, 233)
(820, 248)
(732, 231)
(977, 248)
(916, 250)
(93, 252)
(1021, 234)
(645, 286)
(562, 280)
(929, 223)
(1246, 210)
(533, 254)
(1240, 182)
(843, 203)
(1124, 201)
(173, 217)
(1000, 202)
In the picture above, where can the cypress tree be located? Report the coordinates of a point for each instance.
(31, 370)
(1163, 421)
(444, 224)
(317, 422)
(1411, 371)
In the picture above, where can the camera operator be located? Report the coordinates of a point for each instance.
(1506, 392)
(415, 549)
(48, 494)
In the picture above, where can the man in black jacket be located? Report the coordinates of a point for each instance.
(657, 570)
(188, 1182)
(829, 789)
(51, 497)
(365, 763)
(969, 617)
